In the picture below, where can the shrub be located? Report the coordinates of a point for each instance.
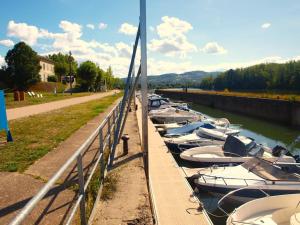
(52, 78)
(48, 87)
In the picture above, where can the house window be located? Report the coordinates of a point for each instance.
(43, 66)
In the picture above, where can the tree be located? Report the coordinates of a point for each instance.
(207, 83)
(87, 73)
(23, 66)
(99, 79)
(62, 66)
(269, 76)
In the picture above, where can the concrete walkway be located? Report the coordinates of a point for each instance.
(25, 111)
(170, 192)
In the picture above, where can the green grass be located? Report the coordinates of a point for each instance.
(47, 97)
(110, 186)
(92, 192)
(35, 136)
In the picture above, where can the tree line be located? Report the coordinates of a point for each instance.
(23, 66)
(267, 76)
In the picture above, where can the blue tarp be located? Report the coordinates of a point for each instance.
(3, 117)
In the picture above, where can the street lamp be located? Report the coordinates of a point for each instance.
(70, 71)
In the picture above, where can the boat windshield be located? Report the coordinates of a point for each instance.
(266, 170)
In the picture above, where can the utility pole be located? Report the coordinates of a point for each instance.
(70, 71)
(144, 87)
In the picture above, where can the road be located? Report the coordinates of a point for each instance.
(25, 111)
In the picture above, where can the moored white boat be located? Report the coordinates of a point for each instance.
(272, 210)
(223, 122)
(219, 134)
(237, 149)
(172, 115)
(162, 103)
(184, 142)
(167, 126)
(255, 174)
(187, 129)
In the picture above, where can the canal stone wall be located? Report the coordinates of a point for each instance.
(274, 110)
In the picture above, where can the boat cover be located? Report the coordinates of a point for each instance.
(238, 145)
(188, 128)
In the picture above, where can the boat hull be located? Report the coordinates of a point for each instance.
(247, 194)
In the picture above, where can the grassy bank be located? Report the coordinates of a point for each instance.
(35, 136)
(287, 97)
(47, 97)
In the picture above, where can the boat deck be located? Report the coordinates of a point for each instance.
(169, 189)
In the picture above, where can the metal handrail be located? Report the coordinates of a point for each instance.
(82, 185)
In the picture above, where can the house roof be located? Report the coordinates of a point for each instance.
(45, 59)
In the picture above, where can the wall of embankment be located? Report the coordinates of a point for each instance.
(281, 111)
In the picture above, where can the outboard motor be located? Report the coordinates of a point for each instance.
(278, 151)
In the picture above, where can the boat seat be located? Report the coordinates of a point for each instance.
(283, 216)
(295, 219)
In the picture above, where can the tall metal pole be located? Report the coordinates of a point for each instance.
(123, 103)
(70, 71)
(144, 88)
(133, 78)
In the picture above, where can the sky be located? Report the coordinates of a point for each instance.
(182, 35)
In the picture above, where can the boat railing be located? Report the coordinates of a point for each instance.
(205, 176)
(233, 192)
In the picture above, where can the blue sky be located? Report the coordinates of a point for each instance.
(183, 35)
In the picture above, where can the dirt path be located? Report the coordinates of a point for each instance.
(130, 203)
(25, 111)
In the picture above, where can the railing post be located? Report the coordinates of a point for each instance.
(81, 190)
(109, 131)
(101, 150)
(114, 124)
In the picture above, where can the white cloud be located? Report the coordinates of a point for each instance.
(90, 26)
(7, 43)
(156, 67)
(177, 46)
(102, 26)
(23, 31)
(70, 39)
(265, 25)
(128, 29)
(123, 49)
(73, 30)
(2, 61)
(172, 39)
(213, 48)
(172, 26)
(30, 34)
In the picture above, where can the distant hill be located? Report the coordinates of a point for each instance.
(192, 79)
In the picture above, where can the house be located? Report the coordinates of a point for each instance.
(47, 68)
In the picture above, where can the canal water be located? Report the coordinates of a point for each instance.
(264, 132)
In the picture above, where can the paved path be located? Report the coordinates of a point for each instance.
(25, 111)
